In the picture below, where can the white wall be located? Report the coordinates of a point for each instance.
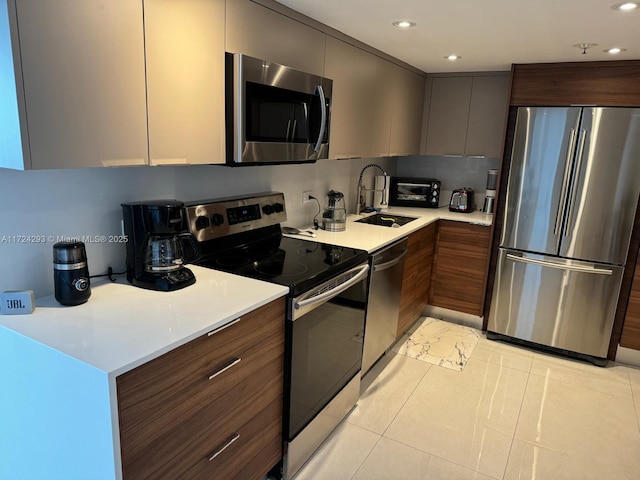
(86, 202)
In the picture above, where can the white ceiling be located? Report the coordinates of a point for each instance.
(488, 34)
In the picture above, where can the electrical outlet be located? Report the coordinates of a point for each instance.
(306, 196)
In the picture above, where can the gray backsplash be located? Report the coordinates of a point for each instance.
(453, 172)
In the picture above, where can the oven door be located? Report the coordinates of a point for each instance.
(325, 328)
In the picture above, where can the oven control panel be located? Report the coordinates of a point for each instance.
(210, 219)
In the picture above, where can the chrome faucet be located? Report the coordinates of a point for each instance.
(361, 189)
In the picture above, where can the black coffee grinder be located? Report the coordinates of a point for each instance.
(157, 235)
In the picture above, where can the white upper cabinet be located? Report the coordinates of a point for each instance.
(84, 82)
(268, 35)
(408, 107)
(185, 81)
(383, 108)
(466, 115)
(398, 111)
(353, 72)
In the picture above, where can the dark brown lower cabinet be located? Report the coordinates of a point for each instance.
(458, 279)
(414, 295)
(631, 329)
(211, 408)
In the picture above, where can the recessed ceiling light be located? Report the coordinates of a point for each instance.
(404, 24)
(615, 50)
(625, 6)
(452, 57)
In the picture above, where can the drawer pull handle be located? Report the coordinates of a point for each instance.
(235, 361)
(235, 437)
(233, 322)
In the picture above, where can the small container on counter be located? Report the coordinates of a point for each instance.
(71, 273)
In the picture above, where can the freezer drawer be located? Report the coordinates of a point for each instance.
(555, 302)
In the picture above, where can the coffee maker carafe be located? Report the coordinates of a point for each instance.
(157, 246)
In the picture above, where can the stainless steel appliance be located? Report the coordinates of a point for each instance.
(157, 236)
(71, 273)
(570, 205)
(275, 114)
(328, 288)
(462, 200)
(490, 193)
(415, 192)
(383, 307)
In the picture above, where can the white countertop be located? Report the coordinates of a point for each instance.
(372, 237)
(122, 326)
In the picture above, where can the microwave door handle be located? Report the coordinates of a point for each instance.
(323, 122)
(286, 137)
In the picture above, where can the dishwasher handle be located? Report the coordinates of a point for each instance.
(379, 267)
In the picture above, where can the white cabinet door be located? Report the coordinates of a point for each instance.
(448, 115)
(84, 82)
(353, 72)
(408, 105)
(185, 81)
(466, 115)
(487, 116)
(259, 32)
(383, 108)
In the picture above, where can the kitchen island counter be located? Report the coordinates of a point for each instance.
(122, 326)
(59, 365)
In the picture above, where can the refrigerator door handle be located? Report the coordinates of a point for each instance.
(565, 183)
(576, 175)
(574, 268)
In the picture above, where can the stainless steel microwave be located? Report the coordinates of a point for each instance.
(275, 114)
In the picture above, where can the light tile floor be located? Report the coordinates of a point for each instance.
(512, 413)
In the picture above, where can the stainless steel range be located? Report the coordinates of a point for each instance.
(328, 287)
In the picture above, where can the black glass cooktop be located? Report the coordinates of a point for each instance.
(298, 264)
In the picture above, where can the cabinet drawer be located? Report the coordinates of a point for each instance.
(174, 389)
(258, 447)
(459, 233)
(156, 382)
(165, 442)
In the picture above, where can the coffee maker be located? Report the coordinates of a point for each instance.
(157, 241)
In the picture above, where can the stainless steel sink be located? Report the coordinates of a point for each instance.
(386, 220)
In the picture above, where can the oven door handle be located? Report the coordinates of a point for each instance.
(324, 296)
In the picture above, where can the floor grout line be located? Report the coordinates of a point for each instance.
(515, 429)
(408, 397)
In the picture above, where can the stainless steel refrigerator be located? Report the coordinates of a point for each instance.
(571, 200)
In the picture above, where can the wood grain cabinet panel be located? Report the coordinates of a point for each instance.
(631, 329)
(414, 295)
(608, 83)
(458, 279)
(178, 409)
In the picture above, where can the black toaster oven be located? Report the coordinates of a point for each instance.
(414, 192)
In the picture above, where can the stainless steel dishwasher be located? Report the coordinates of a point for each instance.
(383, 306)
